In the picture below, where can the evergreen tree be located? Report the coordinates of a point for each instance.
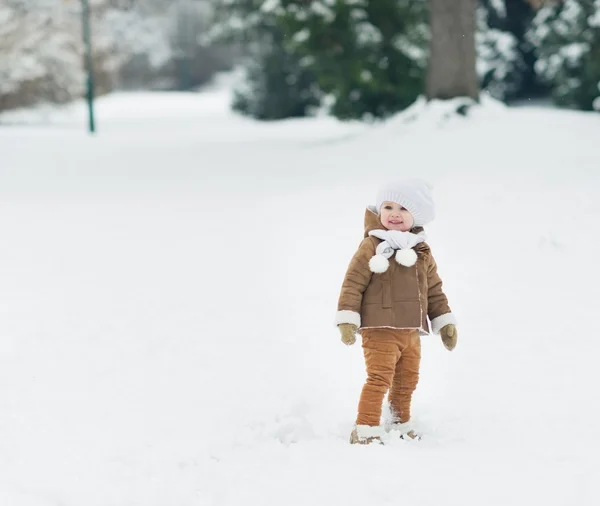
(506, 59)
(368, 56)
(276, 85)
(567, 37)
(500, 63)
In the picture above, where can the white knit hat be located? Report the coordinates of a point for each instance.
(414, 195)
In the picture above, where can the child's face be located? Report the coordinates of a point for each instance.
(394, 217)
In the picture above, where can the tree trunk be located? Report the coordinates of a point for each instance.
(452, 61)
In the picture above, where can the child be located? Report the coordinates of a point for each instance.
(390, 302)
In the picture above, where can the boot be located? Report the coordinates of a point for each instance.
(406, 431)
(365, 434)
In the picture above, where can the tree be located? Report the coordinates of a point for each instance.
(41, 57)
(500, 63)
(41, 46)
(369, 56)
(519, 15)
(452, 61)
(506, 59)
(567, 38)
(276, 84)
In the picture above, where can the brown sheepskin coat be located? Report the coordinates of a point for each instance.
(402, 297)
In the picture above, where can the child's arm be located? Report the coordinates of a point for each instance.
(355, 283)
(438, 311)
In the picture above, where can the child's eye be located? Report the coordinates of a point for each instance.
(387, 207)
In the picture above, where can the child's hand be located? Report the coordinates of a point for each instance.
(449, 336)
(348, 331)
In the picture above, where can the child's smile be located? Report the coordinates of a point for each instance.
(395, 217)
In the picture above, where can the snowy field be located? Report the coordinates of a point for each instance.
(168, 289)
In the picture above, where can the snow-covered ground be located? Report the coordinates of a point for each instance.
(168, 288)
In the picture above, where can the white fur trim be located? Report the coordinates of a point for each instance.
(402, 427)
(366, 431)
(347, 316)
(440, 322)
(378, 264)
(406, 257)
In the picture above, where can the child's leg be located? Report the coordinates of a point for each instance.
(406, 376)
(381, 355)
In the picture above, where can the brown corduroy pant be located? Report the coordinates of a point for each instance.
(392, 359)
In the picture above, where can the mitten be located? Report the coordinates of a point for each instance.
(348, 331)
(449, 336)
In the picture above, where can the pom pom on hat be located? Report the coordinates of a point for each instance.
(414, 195)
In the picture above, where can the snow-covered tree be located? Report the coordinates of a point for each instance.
(369, 56)
(42, 47)
(567, 37)
(41, 53)
(505, 57)
(162, 43)
(124, 29)
(500, 63)
(276, 85)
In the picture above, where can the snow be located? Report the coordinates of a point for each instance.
(499, 7)
(367, 34)
(415, 51)
(560, 58)
(366, 76)
(498, 58)
(594, 19)
(168, 291)
(574, 51)
(270, 6)
(301, 36)
(323, 9)
(38, 44)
